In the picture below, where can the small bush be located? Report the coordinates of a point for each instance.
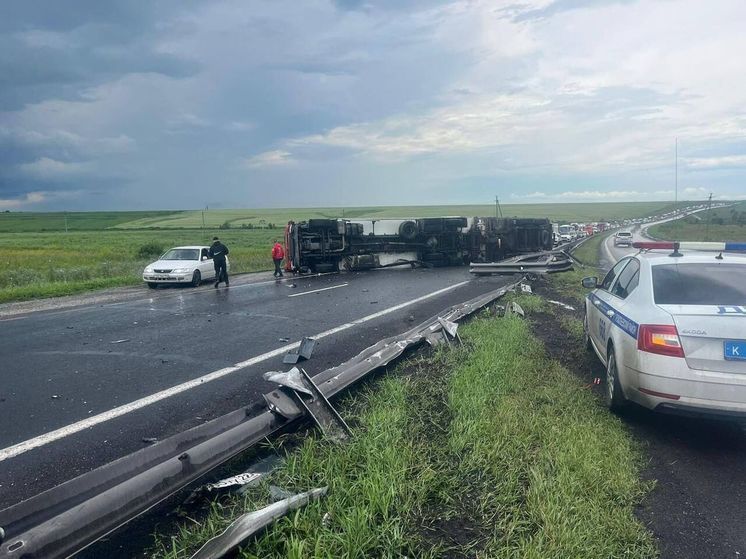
(225, 225)
(150, 250)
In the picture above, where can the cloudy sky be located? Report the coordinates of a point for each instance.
(238, 103)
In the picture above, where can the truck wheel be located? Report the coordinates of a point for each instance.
(152, 285)
(196, 278)
(408, 230)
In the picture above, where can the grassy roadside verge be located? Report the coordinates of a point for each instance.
(489, 450)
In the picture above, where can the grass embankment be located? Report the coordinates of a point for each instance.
(568, 283)
(36, 265)
(720, 224)
(36, 222)
(489, 450)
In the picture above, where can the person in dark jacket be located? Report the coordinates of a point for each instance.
(277, 255)
(218, 251)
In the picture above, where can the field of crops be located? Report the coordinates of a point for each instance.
(21, 222)
(280, 216)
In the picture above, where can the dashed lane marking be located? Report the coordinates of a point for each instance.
(89, 422)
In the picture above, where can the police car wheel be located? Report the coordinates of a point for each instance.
(586, 335)
(196, 278)
(613, 394)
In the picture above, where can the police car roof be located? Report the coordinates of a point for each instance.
(663, 256)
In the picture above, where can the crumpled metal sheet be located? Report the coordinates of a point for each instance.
(292, 379)
(250, 523)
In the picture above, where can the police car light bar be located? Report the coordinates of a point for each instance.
(691, 245)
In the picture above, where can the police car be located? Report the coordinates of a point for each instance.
(669, 323)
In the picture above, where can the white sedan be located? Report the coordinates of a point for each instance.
(670, 327)
(189, 264)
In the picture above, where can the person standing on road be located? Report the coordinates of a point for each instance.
(218, 251)
(277, 255)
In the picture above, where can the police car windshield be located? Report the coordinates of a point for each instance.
(699, 284)
(181, 254)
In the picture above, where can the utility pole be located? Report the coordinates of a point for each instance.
(709, 217)
(65, 222)
(498, 209)
(676, 178)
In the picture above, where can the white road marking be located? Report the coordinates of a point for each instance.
(89, 422)
(14, 318)
(319, 290)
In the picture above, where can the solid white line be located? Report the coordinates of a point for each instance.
(89, 422)
(319, 290)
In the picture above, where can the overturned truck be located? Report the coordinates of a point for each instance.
(322, 245)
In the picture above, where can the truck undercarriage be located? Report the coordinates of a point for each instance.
(322, 245)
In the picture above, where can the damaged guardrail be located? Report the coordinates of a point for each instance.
(69, 517)
(536, 263)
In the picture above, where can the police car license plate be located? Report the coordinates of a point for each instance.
(735, 350)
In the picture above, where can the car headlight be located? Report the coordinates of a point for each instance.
(180, 271)
(148, 270)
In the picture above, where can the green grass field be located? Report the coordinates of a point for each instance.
(51, 264)
(19, 222)
(721, 224)
(280, 216)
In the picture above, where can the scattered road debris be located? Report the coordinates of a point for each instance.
(278, 493)
(55, 396)
(250, 523)
(292, 379)
(66, 518)
(283, 340)
(561, 304)
(149, 440)
(119, 341)
(526, 288)
(514, 308)
(303, 352)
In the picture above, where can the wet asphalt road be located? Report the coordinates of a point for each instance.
(60, 367)
(699, 466)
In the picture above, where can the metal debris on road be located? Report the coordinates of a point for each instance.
(70, 516)
(250, 523)
(561, 304)
(304, 352)
(292, 379)
(55, 396)
(526, 288)
(149, 440)
(119, 341)
(514, 308)
(283, 339)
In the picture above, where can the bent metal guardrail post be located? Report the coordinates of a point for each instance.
(69, 517)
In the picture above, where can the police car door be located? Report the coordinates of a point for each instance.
(601, 313)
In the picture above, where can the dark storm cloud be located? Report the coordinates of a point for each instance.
(57, 49)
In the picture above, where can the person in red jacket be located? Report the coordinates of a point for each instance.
(277, 255)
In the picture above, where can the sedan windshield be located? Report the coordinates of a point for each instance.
(181, 254)
(699, 284)
(624, 234)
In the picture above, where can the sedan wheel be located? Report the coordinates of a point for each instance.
(615, 399)
(152, 285)
(196, 278)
